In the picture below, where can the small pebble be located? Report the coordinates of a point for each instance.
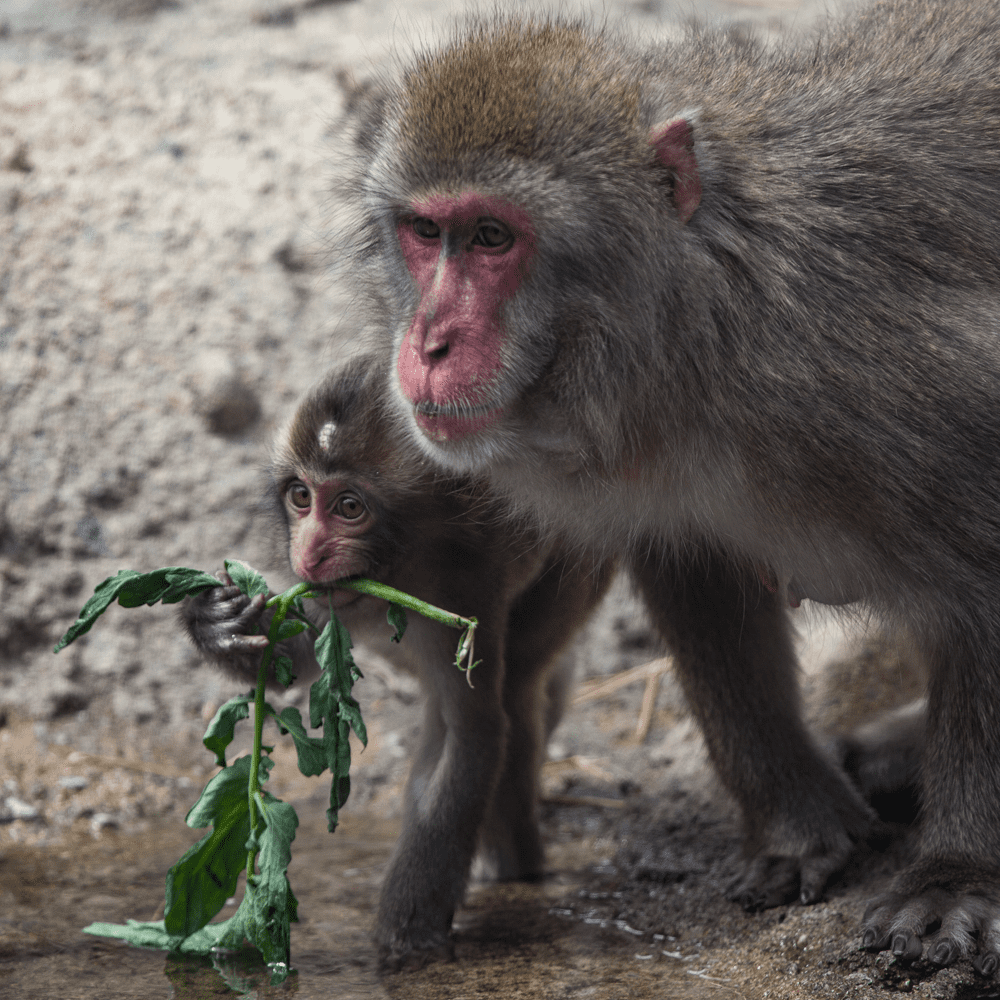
(16, 809)
(100, 820)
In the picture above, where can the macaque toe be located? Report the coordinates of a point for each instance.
(953, 925)
(767, 882)
(815, 874)
(907, 947)
(986, 964)
(873, 940)
(944, 951)
(772, 880)
(899, 924)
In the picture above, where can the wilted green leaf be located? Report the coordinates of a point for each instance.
(312, 755)
(283, 670)
(205, 877)
(246, 577)
(333, 651)
(220, 730)
(182, 582)
(132, 588)
(396, 617)
(290, 627)
(337, 744)
(350, 711)
(268, 904)
(332, 706)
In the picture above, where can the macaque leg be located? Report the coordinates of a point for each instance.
(463, 740)
(558, 685)
(949, 898)
(733, 654)
(541, 623)
(883, 758)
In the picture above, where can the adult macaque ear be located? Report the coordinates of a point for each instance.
(674, 146)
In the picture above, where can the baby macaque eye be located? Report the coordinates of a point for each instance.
(350, 507)
(298, 494)
(426, 228)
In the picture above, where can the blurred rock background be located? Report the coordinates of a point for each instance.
(168, 289)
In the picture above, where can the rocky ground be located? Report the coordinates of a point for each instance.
(168, 289)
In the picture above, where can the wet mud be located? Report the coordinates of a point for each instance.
(633, 907)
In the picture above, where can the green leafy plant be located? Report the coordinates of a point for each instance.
(251, 829)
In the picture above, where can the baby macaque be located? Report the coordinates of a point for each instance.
(354, 497)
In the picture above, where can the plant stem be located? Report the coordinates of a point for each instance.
(282, 602)
(466, 645)
(375, 589)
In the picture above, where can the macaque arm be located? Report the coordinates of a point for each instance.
(734, 657)
(462, 742)
(542, 623)
(230, 628)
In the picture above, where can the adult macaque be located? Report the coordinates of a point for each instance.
(357, 498)
(735, 310)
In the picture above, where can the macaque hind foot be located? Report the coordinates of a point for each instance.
(770, 881)
(798, 857)
(410, 950)
(942, 911)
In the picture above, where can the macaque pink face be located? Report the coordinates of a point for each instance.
(468, 254)
(328, 522)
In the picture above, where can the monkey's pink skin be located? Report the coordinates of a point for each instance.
(449, 427)
(322, 548)
(450, 356)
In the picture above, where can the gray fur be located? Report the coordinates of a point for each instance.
(802, 383)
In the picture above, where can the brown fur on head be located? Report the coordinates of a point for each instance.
(504, 85)
(345, 420)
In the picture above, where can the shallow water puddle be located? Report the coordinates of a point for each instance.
(512, 940)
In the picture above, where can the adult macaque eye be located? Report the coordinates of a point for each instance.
(426, 228)
(349, 507)
(492, 234)
(298, 494)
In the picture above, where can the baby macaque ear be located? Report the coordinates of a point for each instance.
(674, 146)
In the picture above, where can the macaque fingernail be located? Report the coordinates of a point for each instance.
(941, 955)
